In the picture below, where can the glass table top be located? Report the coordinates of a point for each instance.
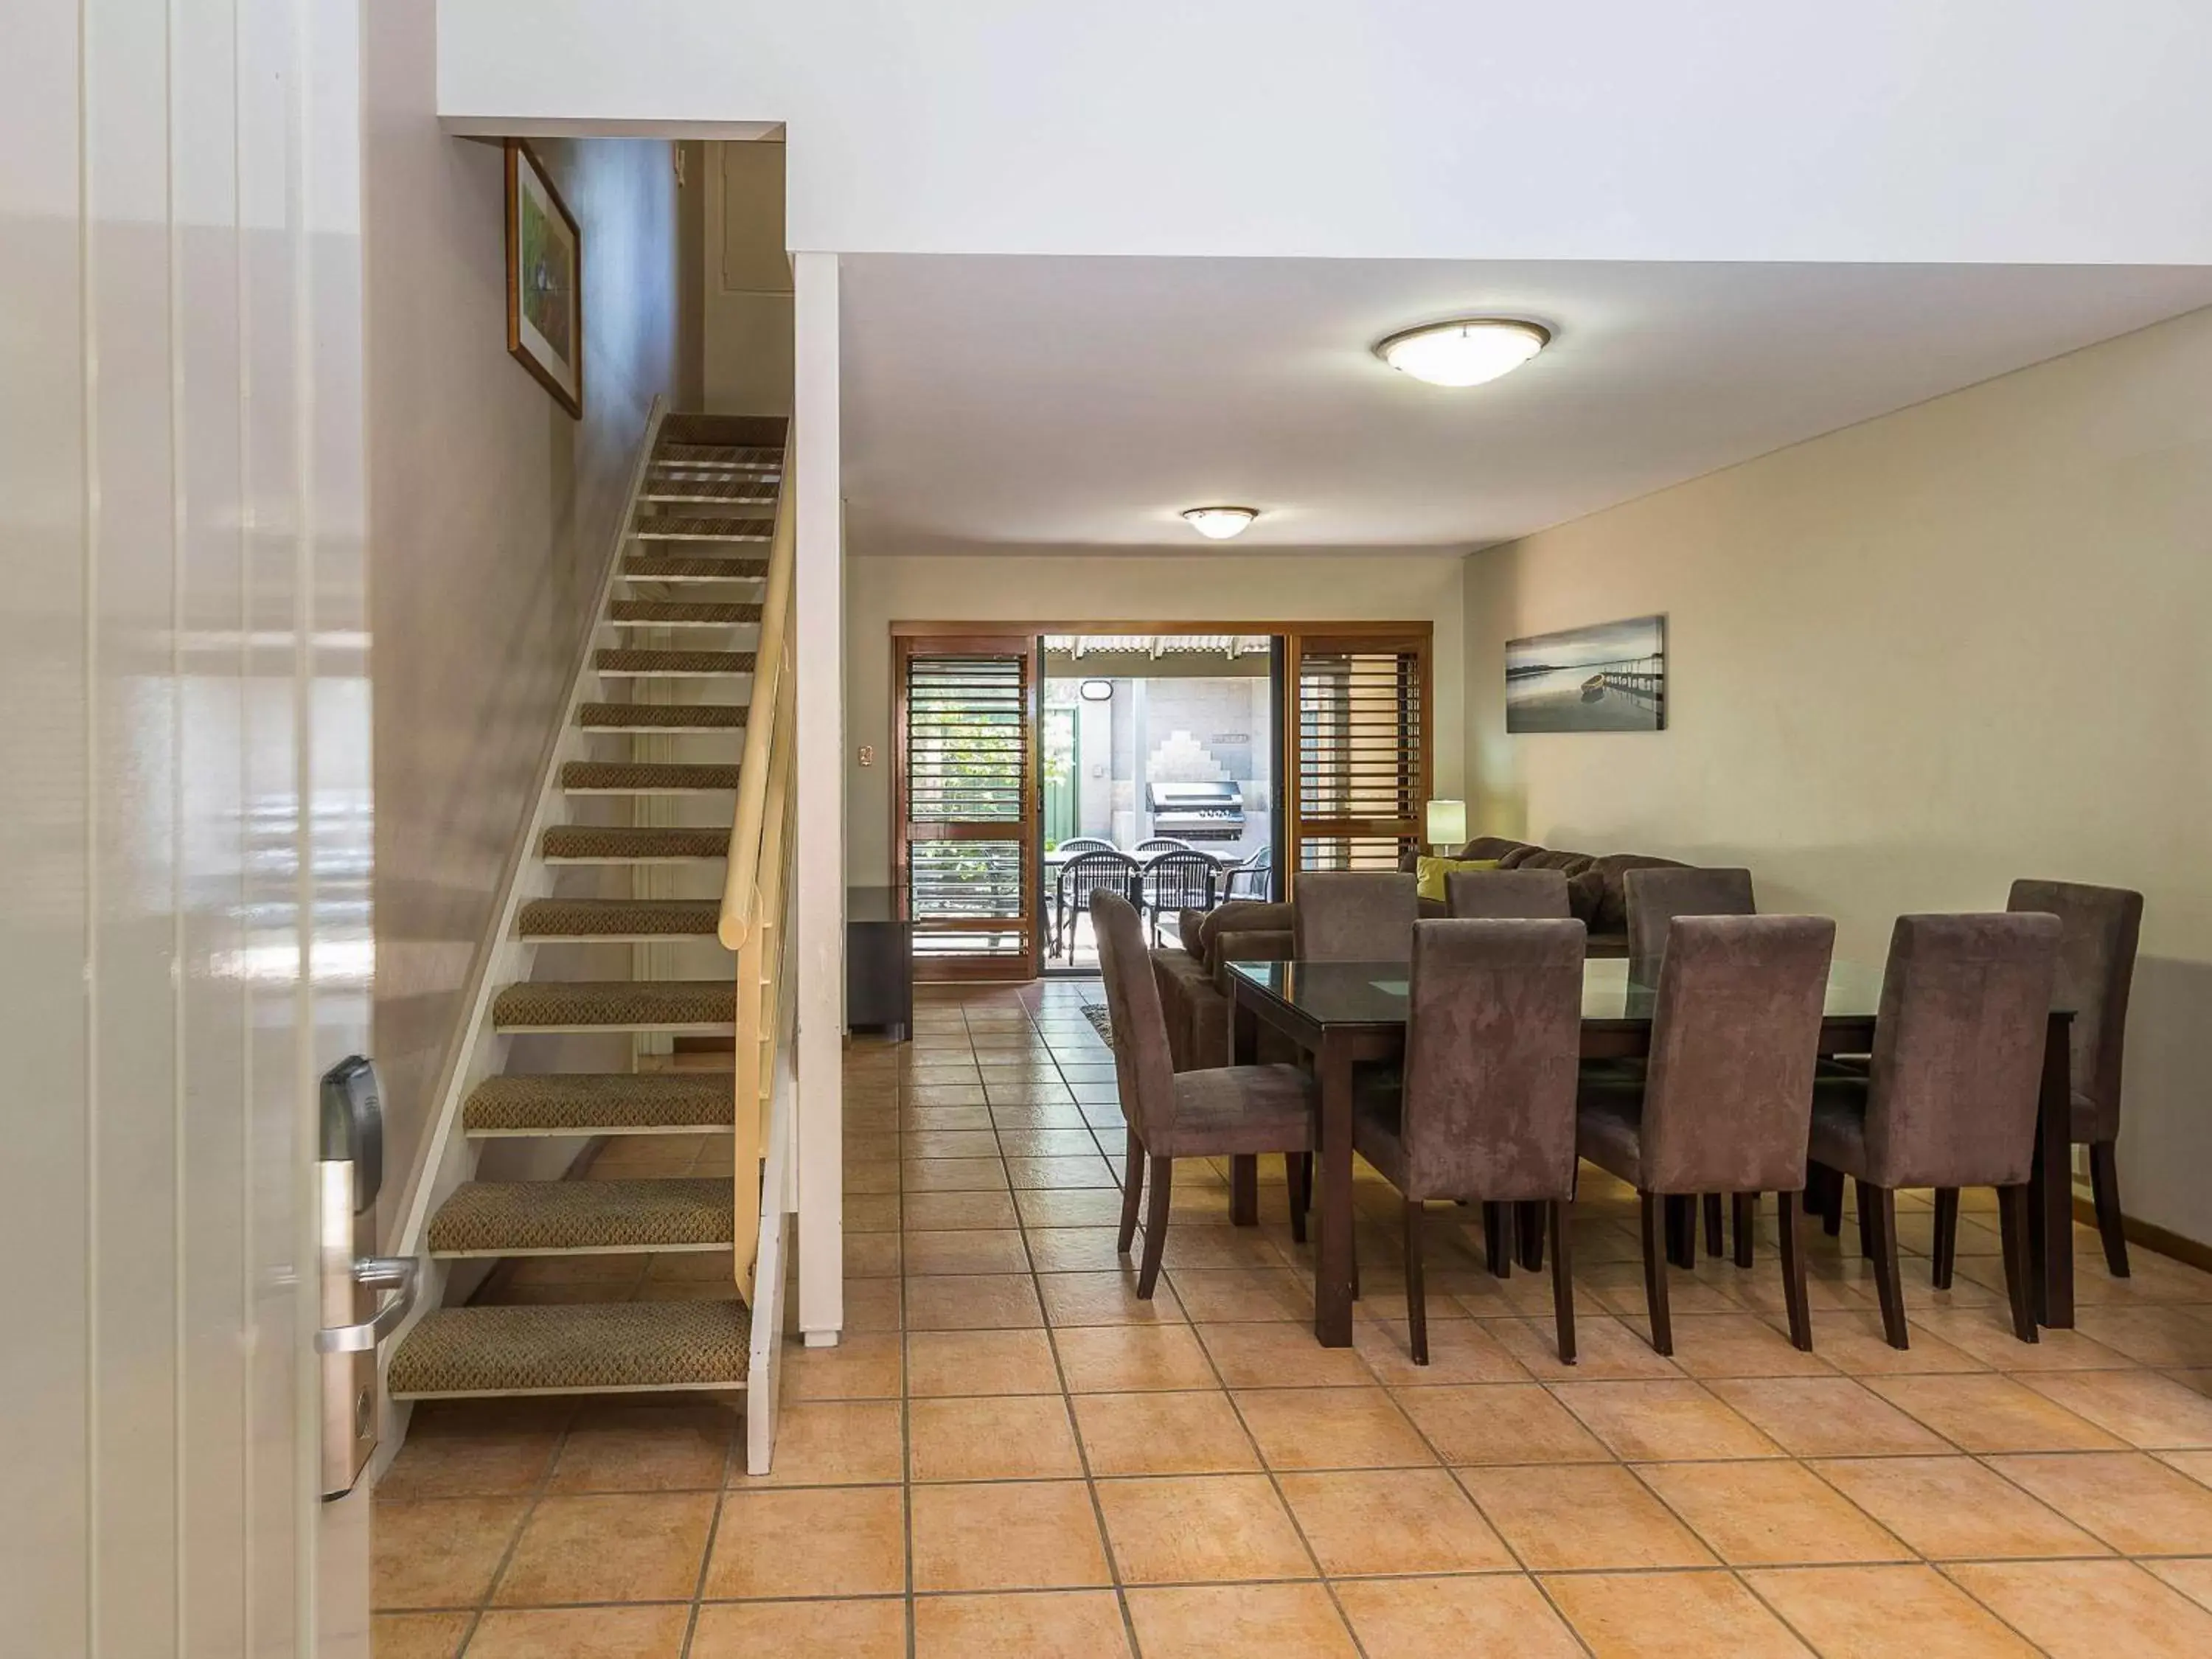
(1375, 992)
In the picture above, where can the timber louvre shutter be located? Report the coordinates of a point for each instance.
(1359, 756)
(967, 821)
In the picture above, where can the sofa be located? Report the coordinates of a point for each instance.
(1595, 893)
(1190, 973)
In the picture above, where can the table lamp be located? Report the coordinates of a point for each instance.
(1447, 824)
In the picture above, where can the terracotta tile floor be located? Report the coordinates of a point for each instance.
(1009, 1455)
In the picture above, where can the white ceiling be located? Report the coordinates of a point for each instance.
(1070, 405)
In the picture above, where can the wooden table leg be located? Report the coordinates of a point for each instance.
(1333, 1286)
(2051, 1188)
(1244, 1190)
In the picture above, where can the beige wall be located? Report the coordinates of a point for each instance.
(490, 515)
(1911, 661)
(1350, 586)
(747, 281)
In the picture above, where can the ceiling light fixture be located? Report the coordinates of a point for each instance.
(1218, 524)
(1466, 351)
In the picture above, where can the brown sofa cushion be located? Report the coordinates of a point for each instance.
(1240, 916)
(1568, 865)
(1187, 925)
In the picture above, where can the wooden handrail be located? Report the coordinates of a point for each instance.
(741, 879)
(751, 922)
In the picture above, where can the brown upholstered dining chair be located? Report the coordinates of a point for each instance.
(2099, 927)
(1724, 1101)
(1654, 896)
(1354, 915)
(1226, 1111)
(1504, 895)
(1949, 1098)
(1486, 1108)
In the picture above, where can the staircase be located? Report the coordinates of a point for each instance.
(670, 670)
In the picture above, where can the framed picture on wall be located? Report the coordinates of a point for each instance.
(1608, 676)
(544, 279)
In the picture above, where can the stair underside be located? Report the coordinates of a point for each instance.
(661, 716)
(600, 1347)
(578, 843)
(618, 919)
(603, 1103)
(694, 1007)
(569, 1217)
(647, 663)
(683, 613)
(643, 778)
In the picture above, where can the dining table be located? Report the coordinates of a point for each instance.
(1348, 1014)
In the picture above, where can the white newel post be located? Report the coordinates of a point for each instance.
(818, 593)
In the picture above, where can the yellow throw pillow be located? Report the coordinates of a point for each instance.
(1434, 872)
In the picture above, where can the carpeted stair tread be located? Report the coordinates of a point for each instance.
(661, 716)
(673, 612)
(713, 486)
(693, 568)
(574, 1348)
(626, 661)
(600, 1103)
(613, 845)
(514, 1217)
(616, 1005)
(588, 918)
(644, 777)
(702, 527)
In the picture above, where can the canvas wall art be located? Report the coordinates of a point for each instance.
(1610, 677)
(544, 279)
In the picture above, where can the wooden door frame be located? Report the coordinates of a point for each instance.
(1383, 634)
(1320, 639)
(977, 639)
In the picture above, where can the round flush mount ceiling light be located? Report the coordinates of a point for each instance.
(1218, 524)
(1466, 351)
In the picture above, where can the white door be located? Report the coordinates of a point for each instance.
(184, 814)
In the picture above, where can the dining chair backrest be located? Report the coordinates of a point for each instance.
(1181, 881)
(1655, 895)
(1085, 844)
(1735, 1034)
(1096, 868)
(1144, 1069)
(1163, 844)
(1506, 895)
(1493, 1040)
(2100, 926)
(1354, 915)
(1957, 1049)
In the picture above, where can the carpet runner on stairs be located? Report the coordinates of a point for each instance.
(702, 517)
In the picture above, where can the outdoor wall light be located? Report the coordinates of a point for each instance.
(1218, 524)
(1466, 351)
(1096, 690)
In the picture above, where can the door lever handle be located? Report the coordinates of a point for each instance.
(375, 1273)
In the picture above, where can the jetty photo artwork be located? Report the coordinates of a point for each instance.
(1609, 676)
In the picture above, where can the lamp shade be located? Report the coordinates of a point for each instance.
(1447, 823)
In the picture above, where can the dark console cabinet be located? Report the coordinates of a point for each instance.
(878, 962)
